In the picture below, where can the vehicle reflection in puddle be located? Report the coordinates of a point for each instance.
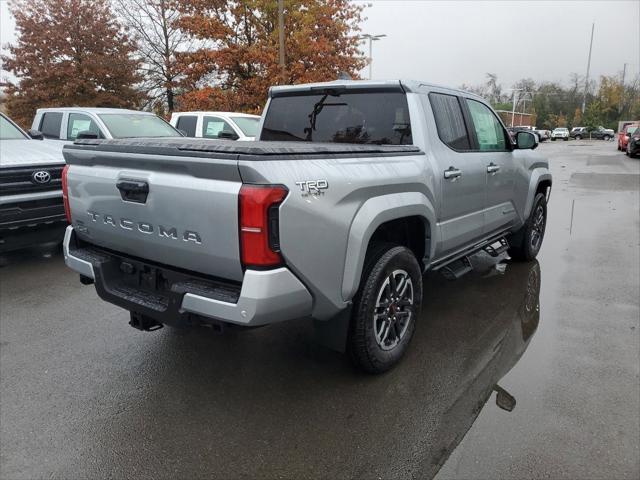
(302, 411)
(493, 351)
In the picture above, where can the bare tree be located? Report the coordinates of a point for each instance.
(152, 23)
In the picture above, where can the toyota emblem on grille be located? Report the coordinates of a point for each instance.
(41, 177)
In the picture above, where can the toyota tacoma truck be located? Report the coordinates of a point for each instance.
(353, 190)
(31, 207)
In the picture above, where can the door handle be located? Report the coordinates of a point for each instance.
(452, 173)
(492, 168)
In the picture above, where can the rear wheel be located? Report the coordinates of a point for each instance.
(526, 242)
(578, 137)
(385, 308)
(606, 138)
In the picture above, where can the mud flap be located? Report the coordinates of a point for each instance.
(333, 333)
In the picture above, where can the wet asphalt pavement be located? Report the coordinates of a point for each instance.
(83, 395)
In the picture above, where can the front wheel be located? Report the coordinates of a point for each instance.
(526, 242)
(606, 138)
(578, 137)
(566, 139)
(386, 308)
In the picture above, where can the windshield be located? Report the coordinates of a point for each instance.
(248, 125)
(134, 125)
(8, 131)
(358, 117)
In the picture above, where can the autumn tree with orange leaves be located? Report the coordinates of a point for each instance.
(239, 61)
(68, 52)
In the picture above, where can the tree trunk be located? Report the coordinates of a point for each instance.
(170, 105)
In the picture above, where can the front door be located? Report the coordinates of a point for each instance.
(494, 155)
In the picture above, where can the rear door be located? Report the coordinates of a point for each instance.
(494, 155)
(462, 175)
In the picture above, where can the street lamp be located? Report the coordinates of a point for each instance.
(371, 39)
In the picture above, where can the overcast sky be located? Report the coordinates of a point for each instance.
(456, 42)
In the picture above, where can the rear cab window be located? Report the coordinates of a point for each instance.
(339, 116)
(187, 123)
(450, 123)
(51, 124)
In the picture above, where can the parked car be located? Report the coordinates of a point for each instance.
(219, 125)
(543, 134)
(578, 133)
(633, 145)
(602, 133)
(625, 134)
(68, 123)
(31, 208)
(560, 133)
(210, 232)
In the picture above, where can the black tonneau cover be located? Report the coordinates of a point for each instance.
(226, 149)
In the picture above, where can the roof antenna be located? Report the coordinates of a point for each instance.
(344, 76)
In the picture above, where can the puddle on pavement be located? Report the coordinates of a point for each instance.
(606, 181)
(304, 411)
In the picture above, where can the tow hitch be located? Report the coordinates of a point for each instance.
(144, 323)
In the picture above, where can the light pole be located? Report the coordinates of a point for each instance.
(513, 110)
(371, 38)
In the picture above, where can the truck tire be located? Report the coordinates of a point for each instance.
(578, 137)
(386, 308)
(566, 139)
(526, 242)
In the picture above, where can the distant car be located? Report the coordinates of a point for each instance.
(625, 134)
(67, 123)
(633, 145)
(220, 125)
(31, 207)
(602, 133)
(543, 134)
(527, 128)
(560, 133)
(579, 133)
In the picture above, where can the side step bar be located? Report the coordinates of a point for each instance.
(496, 248)
(462, 265)
(456, 269)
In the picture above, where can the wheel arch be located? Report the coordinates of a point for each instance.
(406, 218)
(540, 182)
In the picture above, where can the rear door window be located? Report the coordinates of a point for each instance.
(365, 117)
(50, 124)
(187, 123)
(79, 122)
(489, 132)
(450, 123)
(212, 126)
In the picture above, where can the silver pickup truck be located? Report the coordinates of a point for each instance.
(353, 190)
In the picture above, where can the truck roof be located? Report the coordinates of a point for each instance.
(92, 110)
(417, 86)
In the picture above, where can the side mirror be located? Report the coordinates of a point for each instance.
(86, 134)
(226, 134)
(526, 141)
(504, 399)
(35, 134)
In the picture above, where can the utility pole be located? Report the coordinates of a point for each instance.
(624, 73)
(371, 38)
(586, 80)
(281, 39)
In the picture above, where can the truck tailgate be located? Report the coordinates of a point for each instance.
(187, 219)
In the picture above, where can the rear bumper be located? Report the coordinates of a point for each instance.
(264, 297)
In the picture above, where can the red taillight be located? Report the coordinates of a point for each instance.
(65, 193)
(259, 237)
